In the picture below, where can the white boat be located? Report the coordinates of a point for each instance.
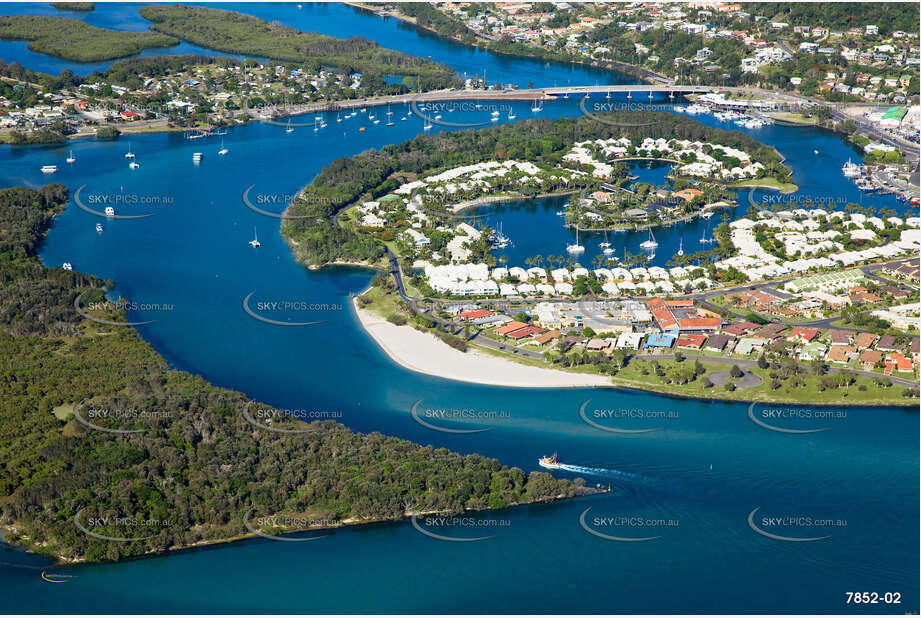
(99, 228)
(511, 115)
(49, 169)
(196, 157)
(551, 462)
(575, 248)
(650, 243)
(680, 247)
(536, 107)
(67, 266)
(426, 126)
(110, 212)
(255, 241)
(338, 119)
(134, 165)
(495, 113)
(403, 119)
(605, 243)
(71, 158)
(289, 128)
(129, 154)
(851, 170)
(498, 240)
(377, 122)
(815, 152)
(437, 116)
(316, 127)
(223, 150)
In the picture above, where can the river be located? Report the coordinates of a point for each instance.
(691, 483)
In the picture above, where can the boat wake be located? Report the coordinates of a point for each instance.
(606, 473)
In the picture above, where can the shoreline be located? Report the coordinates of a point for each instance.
(61, 562)
(423, 353)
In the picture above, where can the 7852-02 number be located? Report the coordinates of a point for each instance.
(873, 598)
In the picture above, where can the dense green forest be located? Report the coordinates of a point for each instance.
(73, 39)
(232, 32)
(74, 6)
(198, 465)
(316, 238)
(888, 16)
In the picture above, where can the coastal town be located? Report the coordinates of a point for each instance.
(752, 43)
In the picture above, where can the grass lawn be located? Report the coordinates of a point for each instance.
(382, 303)
(767, 183)
(791, 117)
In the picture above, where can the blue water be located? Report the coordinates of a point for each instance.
(707, 469)
(331, 19)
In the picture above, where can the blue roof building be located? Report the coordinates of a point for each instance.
(659, 340)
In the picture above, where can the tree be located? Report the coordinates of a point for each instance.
(735, 372)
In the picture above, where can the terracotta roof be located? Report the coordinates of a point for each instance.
(547, 337)
(865, 340)
(840, 336)
(740, 328)
(691, 341)
(806, 334)
(840, 353)
(886, 343)
(510, 327)
(475, 314)
(871, 357)
(527, 331)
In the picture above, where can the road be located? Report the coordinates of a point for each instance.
(745, 363)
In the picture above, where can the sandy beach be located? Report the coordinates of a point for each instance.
(424, 353)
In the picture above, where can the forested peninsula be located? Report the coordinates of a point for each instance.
(232, 32)
(194, 466)
(76, 40)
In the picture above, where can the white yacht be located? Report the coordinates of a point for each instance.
(511, 115)
(255, 241)
(289, 128)
(99, 228)
(680, 247)
(575, 248)
(196, 157)
(223, 150)
(70, 157)
(129, 154)
(606, 246)
(537, 107)
(134, 165)
(67, 266)
(650, 243)
(49, 169)
(110, 212)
